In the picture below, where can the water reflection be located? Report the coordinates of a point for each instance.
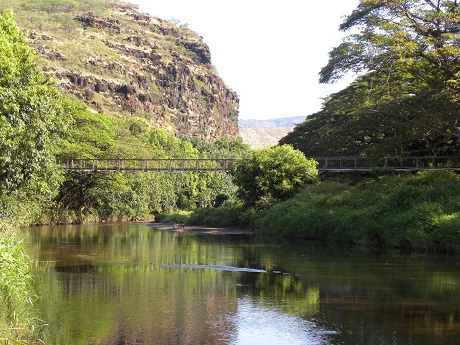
(132, 284)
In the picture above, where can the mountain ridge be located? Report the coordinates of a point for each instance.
(127, 63)
(271, 123)
(259, 134)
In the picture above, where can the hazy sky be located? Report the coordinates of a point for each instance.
(268, 51)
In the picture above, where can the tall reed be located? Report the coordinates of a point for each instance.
(18, 320)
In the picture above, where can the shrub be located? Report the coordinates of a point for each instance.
(272, 175)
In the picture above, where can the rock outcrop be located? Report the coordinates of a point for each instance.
(127, 63)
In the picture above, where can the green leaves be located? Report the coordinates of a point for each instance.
(406, 99)
(17, 60)
(31, 114)
(272, 175)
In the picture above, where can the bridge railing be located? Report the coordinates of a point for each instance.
(357, 163)
(330, 163)
(173, 164)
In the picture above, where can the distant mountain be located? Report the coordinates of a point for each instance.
(263, 133)
(272, 123)
(258, 138)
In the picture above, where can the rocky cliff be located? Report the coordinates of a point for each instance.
(127, 63)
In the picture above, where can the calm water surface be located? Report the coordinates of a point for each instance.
(133, 284)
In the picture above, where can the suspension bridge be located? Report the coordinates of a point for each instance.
(145, 165)
(335, 164)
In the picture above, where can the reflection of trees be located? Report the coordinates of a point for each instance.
(386, 296)
(113, 287)
(124, 294)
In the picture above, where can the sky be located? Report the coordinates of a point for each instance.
(268, 51)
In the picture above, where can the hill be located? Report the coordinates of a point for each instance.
(272, 123)
(263, 133)
(259, 138)
(126, 63)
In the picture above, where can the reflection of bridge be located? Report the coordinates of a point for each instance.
(326, 164)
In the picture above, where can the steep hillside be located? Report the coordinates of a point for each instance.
(130, 64)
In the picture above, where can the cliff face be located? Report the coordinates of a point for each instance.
(127, 63)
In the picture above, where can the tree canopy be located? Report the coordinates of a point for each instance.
(406, 98)
(271, 175)
(32, 115)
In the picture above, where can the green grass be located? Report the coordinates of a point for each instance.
(420, 212)
(18, 322)
(175, 217)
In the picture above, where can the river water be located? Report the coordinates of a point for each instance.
(134, 284)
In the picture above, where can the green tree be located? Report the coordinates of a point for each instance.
(90, 135)
(406, 99)
(32, 116)
(272, 175)
(411, 48)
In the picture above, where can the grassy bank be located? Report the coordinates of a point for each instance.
(18, 322)
(420, 211)
(413, 211)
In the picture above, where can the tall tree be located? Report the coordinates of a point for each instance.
(411, 48)
(32, 114)
(406, 99)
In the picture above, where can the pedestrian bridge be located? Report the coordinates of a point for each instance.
(145, 165)
(400, 163)
(334, 164)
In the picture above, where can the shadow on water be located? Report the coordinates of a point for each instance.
(131, 284)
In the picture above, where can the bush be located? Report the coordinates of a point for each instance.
(227, 216)
(272, 175)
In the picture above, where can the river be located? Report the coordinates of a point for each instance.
(133, 284)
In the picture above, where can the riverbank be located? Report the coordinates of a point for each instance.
(410, 212)
(201, 230)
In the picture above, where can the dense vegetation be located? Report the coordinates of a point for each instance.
(272, 175)
(418, 211)
(31, 115)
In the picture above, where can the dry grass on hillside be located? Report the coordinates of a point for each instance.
(258, 138)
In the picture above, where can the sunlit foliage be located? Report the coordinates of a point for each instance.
(272, 175)
(406, 98)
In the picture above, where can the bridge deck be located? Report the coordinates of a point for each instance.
(356, 163)
(325, 164)
(144, 165)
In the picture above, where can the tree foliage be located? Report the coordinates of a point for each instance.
(32, 115)
(272, 175)
(406, 99)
